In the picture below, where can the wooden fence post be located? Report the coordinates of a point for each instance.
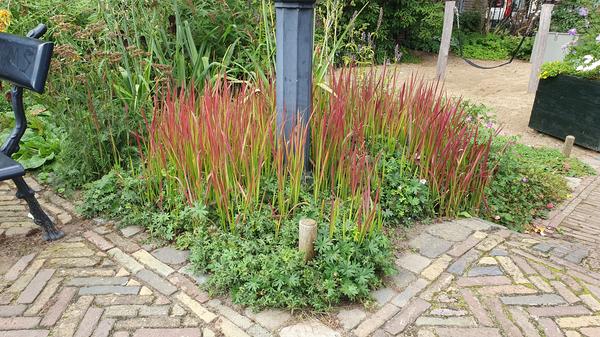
(442, 60)
(542, 38)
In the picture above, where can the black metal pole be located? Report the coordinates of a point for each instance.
(295, 25)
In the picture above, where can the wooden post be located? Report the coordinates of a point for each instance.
(307, 237)
(542, 38)
(442, 60)
(568, 146)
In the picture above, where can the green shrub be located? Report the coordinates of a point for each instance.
(493, 46)
(528, 182)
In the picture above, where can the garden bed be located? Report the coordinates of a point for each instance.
(566, 105)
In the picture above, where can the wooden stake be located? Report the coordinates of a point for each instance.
(542, 39)
(307, 237)
(568, 146)
(442, 60)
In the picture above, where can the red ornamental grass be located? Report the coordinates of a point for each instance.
(215, 147)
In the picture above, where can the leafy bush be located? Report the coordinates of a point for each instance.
(568, 14)
(528, 182)
(494, 46)
(583, 60)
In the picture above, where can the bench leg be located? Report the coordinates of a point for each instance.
(50, 232)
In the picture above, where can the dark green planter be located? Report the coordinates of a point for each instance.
(566, 105)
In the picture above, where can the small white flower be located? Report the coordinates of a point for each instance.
(587, 59)
(580, 68)
(423, 181)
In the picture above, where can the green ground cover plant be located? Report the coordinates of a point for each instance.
(492, 46)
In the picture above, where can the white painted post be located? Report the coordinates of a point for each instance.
(307, 237)
(568, 146)
(542, 38)
(442, 60)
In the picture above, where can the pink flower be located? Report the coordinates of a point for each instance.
(550, 205)
(583, 11)
(489, 125)
(572, 31)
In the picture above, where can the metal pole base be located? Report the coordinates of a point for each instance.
(50, 232)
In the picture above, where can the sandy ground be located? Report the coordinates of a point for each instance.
(503, 89)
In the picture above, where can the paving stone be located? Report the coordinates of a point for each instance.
(543, 247)
(523, 265)
(446, 321)
(476, 308)
(25, 277)
(115, 299)
(565, 292)
(546, 299)
(485, 271)
(483, 281)
(590, 301)
(99, 241)
(18, 323)
(488, 261)
(198, 277)
(89, 322)
(407, 316)
(148, 322)
(438, 285)
(12, 310)
(511, 268)
(272, 319)
(156, 282)
(489, 243)
(207, 332)
(577, 256)
(125, 260)
(228, 329)
(170, 255)
(521, 318)
(68, 262)
(349, 319)
(97, 281)
(558, 311)
(448, 312)
(130, 231)
(13, 273)
(60, 305)
(549, 327)
(541, 284)
(590, 332)
(459, 266)
(372, 323)
(413, 262)
(403, 278)
(127, 245)
(104, 328)
(498, 252)
(25, 333)
(188, 287)
(258, 331)
(411, 291)
(497, 311)
(383, 295)
(578, 322)
(429, 245)
(154, 310)
(451, 231)
(121, 310)
(506, 289)
(199, 310)
(309, 328)
(153, 263)
(232, 315)
(468, 332)
(436, 268)
(36, 285)
(476, 224)
(102, 290)
(67, 249)
(69, 321)
(121, 334)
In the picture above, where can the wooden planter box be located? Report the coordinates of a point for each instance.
(566, 105)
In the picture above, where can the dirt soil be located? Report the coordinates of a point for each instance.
(503, 89)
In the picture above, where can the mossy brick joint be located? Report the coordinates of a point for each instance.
(25, 64)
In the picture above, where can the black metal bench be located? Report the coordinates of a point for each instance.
(24, 62)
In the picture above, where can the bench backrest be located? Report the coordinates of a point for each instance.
(25, 61)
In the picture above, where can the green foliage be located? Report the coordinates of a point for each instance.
(471, 21)
(565, 15)
(528, 182)
(493, 46)
(262, 269)
(575, 63)
(404, 197)
(41, 142)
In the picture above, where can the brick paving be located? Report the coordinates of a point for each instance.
(459, 278)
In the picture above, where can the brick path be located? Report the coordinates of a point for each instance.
(462, 278)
